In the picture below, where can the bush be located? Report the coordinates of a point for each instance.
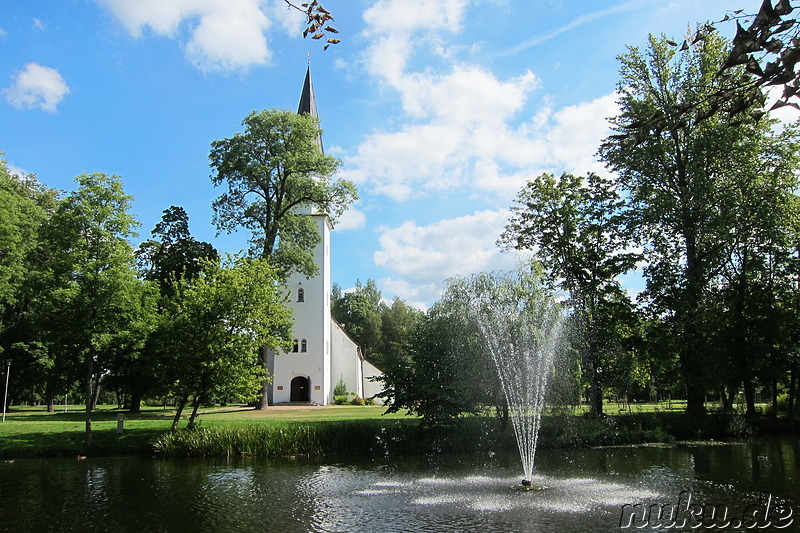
(369, 401)
(340, 389)
(340, 399)
(357, 401)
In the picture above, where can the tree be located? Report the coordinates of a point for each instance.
(213, 331)
(27, 205)
(172, 253)
(276, 174)
(96, 285)
(359, 313)
(677, 173)
(572, 224)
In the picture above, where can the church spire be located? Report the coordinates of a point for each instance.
(308, 103)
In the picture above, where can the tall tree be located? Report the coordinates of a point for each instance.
(27, 205)
(275, 175)
(571, 223)
(94, 271)
(677, 172)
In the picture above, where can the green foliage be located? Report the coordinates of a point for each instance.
(275, 175)
(340, 399)
(382, 331)
(340, 389)
(357, 400)
(685, 182)
(573, 225)
(213, 331)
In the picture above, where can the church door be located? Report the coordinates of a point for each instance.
(300, 390)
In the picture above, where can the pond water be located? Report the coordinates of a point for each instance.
(586, 491)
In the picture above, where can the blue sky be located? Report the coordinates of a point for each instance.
(440, 110)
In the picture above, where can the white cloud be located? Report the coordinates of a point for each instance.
(36, 86)
(222, 35)
(427, 255)
(351, 219)
(462, 128)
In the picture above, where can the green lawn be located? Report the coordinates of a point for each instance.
(31, 431)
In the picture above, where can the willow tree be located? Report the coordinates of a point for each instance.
(678, 171)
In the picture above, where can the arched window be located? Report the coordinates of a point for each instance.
(301, 295)
(304, 346)
(294, 346)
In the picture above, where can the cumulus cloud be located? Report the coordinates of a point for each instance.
(217, 35)
(463, 129)
(427, 255)
(351, 219)
(36, 86)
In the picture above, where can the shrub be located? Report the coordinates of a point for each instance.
(369, 401)
(340, 399)
(357, 401)
(340, 389)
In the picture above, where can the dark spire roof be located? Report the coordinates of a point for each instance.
(308, 103)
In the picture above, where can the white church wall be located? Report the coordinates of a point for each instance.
(371, 388)
(345, 360)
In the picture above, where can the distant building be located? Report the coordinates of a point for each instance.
(322, 353)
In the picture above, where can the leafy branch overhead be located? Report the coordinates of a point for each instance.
(317, 22)
(764, 53)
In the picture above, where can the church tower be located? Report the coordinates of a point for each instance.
(304, 374)
(322, 353)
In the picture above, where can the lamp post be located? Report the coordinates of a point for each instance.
(5, 394)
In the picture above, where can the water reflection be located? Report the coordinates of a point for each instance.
(585, 490)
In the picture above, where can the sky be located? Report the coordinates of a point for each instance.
(440, 110)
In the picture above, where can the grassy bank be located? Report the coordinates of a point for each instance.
(339, 430)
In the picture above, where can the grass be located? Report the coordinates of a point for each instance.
(362, 430)
(32, 431)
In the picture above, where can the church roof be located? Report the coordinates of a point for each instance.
(308, 103)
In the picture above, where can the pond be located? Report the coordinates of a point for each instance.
(745, 483)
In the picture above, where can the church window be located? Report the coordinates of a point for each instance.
(301, 295)
(294, 346)
(304, 346)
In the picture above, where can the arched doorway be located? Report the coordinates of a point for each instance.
(300, 390)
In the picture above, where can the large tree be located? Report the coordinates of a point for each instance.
(677, 172)
(572, 224)
(97, 294)
(275, 175)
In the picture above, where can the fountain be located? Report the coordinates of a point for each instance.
(521, 325)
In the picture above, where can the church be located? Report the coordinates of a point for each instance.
(322, 353)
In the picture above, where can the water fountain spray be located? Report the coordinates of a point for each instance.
(521, 324)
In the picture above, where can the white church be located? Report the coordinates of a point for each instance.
(322, 352)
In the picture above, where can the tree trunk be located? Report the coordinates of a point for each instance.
(88, 396)
(50, 398)
(136, 402)
(749, 396)
(792, 395)
(178, 411)
(723, 398)
(197, 400)
(96, 394)
(263, 402)
(774, 398)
